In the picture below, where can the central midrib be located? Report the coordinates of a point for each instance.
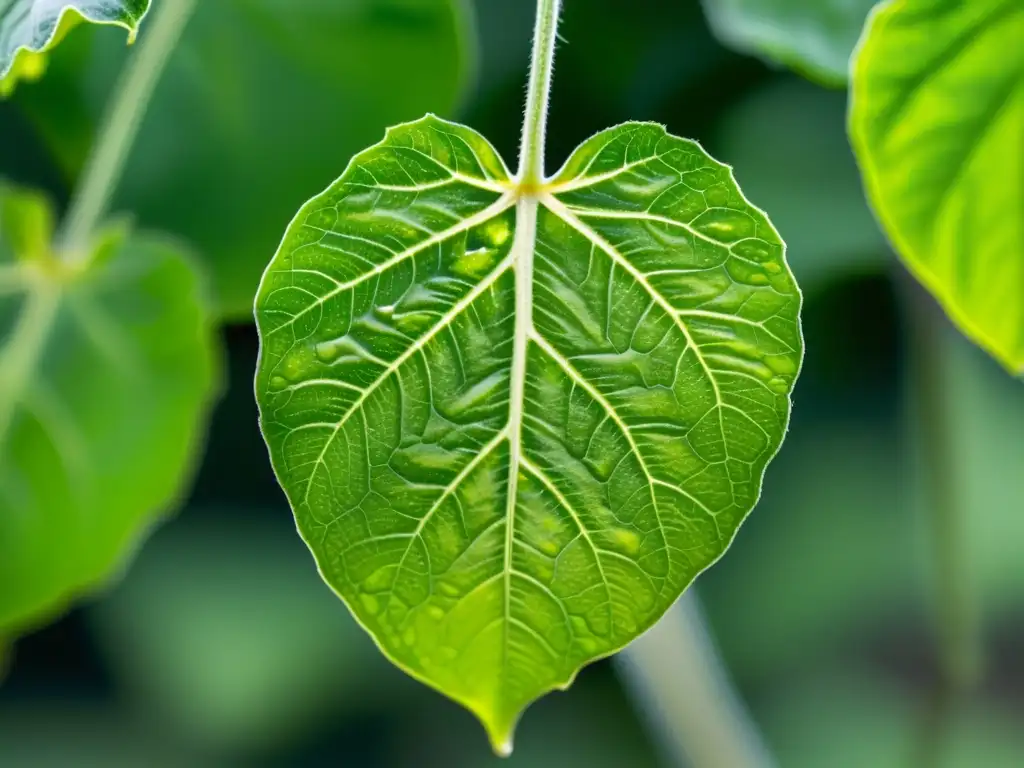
(522, 255)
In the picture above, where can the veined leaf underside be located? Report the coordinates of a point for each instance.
(514, 427)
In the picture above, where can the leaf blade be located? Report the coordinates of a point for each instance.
(937, 135)
(475, 492)
(104, 364)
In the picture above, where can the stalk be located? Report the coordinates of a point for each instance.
(531, 153)
(677, 680)
(957, 624)
(121, 125)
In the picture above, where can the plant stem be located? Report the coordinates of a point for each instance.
(678, 681)
(957, 624)
(121, 124)
(531, 151)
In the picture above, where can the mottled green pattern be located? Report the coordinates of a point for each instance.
(815, 37)
(31, 27)
(107, 370)
(937, 122)
(514, 424)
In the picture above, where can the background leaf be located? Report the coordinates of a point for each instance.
(29, 28)
(814, 37)
(504, 488)
(936, 119)
(107, 370)
(222, 165)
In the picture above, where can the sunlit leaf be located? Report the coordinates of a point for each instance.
(30, 28)
(107, 369)
(261, 102)
(514, 423)
(814, 37)
(937, 121)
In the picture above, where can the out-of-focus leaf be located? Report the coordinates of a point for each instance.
(514, 428)
(788, 146)
(240, 648)
(814, 37)
(30, 28)
(262, 101)
(847, 721)
(107, 371)
(937, 119)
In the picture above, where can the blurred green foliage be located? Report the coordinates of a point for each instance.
(814, 37)
(262, 104)
(109, 369)
(820, 607)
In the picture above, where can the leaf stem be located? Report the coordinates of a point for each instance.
(531, 152)
(121, 124)
(957, 623)
(674, 673)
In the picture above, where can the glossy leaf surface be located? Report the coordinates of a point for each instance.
(515, 424)
(937, 121)
(107, 370)
(29, 28)
(814, 37)
(261, 102)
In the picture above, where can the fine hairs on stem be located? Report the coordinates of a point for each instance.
(121, 124)
(535, 120)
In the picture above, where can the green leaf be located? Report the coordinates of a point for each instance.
(30, 28)
(514, 423)
(936, 120)
(107, 370)
(261, 102)
(814, 37)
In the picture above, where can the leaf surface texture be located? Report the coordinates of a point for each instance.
(513, 427)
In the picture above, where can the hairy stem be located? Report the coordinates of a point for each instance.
(957, 623)
(121, 124)
(678, 681)
(531, 151)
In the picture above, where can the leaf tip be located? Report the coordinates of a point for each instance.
(500, 732)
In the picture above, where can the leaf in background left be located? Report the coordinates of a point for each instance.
(108, 368)
(30, 28)
(261, 102)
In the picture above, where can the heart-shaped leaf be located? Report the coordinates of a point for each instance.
(261, 102)
(29, 28)
(814, 37)
(107, 371)
(515, 421)
(937, 121)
